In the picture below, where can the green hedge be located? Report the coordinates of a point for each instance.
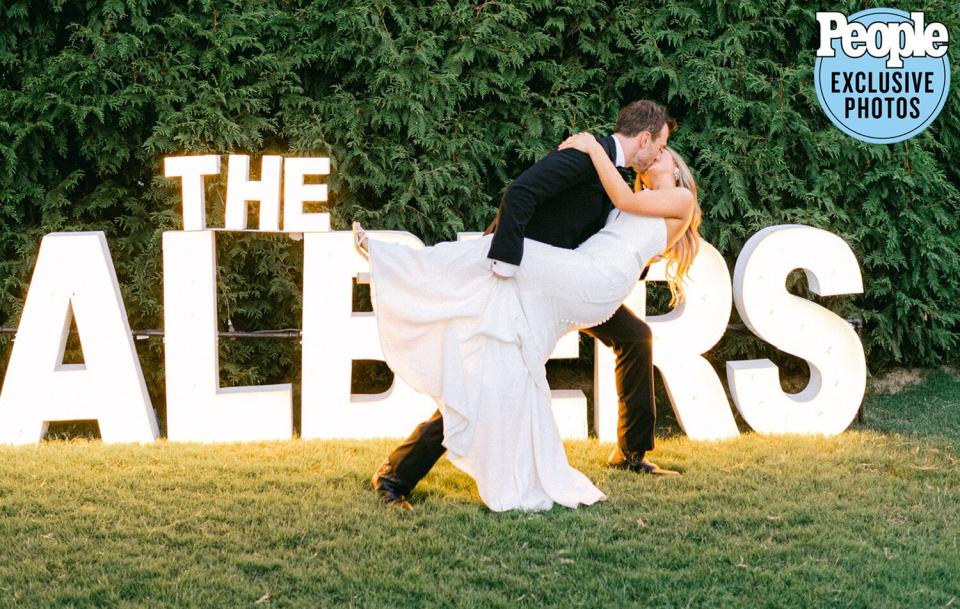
(428, 110)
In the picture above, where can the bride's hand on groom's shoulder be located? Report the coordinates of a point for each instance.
(583, 141)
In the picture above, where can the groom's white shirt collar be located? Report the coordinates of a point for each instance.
(619, 161)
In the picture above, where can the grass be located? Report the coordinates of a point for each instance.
(866, 519)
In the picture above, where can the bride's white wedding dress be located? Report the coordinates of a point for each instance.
(479, 344)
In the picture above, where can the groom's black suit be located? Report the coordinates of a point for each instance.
(559, 201)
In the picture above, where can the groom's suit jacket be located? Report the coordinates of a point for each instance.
(558, 201)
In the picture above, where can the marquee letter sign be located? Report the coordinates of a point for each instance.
(198, 409)
(190, 170)
(334, 336)
(74, 278)
(680, 338)
(240, 190)
(838, 368)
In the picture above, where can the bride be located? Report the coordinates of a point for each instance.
(478, 343)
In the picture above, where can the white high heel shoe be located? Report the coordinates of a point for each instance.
(360, 239)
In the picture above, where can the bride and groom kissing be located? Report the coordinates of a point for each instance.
(472, 323)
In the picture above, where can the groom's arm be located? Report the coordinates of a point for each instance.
(558, 171)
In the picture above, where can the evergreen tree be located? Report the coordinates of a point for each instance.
(427, 110)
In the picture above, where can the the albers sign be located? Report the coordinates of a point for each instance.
(74, 278)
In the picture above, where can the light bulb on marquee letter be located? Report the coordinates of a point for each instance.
(680, 338)
(296, 193)
(831, 348)
(198, 409)
(191, 170)
(241, 189)
(334, 336)
(75, 277)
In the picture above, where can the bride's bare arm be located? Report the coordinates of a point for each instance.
(662, 202)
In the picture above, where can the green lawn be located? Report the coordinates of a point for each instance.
(867, 519)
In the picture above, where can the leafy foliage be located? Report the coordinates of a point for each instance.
(427, 111)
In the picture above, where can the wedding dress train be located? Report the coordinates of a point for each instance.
(479, 344)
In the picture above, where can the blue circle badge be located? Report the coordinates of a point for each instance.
(882, 74)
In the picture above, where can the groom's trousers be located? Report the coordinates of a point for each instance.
(632, 343)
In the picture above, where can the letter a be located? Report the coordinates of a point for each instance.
(75, 275)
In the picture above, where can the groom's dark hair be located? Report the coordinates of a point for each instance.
(643, 115)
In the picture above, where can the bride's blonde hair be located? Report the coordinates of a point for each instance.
(680, 256)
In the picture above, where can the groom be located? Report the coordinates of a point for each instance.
(560, 201)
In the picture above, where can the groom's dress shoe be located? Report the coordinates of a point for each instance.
(637, 463)
(390, 492)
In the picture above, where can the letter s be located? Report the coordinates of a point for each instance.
(830, 401)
